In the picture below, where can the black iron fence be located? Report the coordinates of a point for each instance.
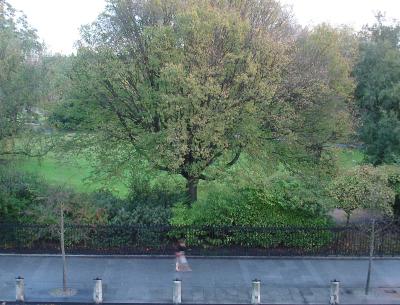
(204, 240)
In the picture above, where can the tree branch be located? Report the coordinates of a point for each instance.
(26, 153)
(235, 158)
(162, 168)
(206, 178)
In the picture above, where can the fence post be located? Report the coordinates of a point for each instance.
(334, 300)
(177, 292)
(98, 291)
(255, 293)
(20, 289)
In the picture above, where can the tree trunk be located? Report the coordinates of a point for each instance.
(192, 189)
(347, 219)
(318, 152)
(396, 206)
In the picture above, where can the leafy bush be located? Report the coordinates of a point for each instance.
(68, 116)
(18, 192)
(150, 200)
(250, 208)
(393, 173)
(364, 187)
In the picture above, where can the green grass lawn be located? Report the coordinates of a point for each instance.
(72, 173)
(75, 173)
(349, 157)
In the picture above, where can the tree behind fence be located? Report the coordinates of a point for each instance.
(201, 240)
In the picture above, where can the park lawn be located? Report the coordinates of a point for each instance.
(349, 157)
(74, 173)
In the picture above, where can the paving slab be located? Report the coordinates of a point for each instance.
(213, 280)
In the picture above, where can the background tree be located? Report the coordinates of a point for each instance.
(56, 81)
(378, 91)
(363, 187)
(187, 85)
(393, 173)
(19, 65)
(319, 87)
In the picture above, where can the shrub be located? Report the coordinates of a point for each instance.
(364, 187)
(18, 192)
(149, 202)
(68, 116)
(295, 227)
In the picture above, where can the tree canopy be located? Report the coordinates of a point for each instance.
(320, 87)
(19, 86)
(189, 84)
(378, 92)
(363, 187)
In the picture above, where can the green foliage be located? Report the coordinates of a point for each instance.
(378, 92)
(189, 86)
(20, 74)
(294, 193)
(253, 209)
(363, 187)
(68, 116)
(56, 81)
(78, 208)
(18, 192)
(149, 201)
(319, 85)
(28, 199)
(185, 83)
(349, 157)
(202, 90)
(74, 172)
(393, 174)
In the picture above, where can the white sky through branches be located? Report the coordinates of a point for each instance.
(355, 13)
(58, 21)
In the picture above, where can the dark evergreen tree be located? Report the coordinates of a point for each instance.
(378, 92)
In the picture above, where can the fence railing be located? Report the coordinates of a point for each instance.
(201, 240)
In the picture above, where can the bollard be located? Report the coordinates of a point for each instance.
(20, 289)
(177, 292)
(256, 294)
(334, 300)
(98, 291)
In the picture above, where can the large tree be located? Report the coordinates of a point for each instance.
(19, 65)
(378, 91)
(188, 85)
(319, 86)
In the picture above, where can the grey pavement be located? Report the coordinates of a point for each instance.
(213, 280)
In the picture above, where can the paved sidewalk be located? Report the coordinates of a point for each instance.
(283, 281)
